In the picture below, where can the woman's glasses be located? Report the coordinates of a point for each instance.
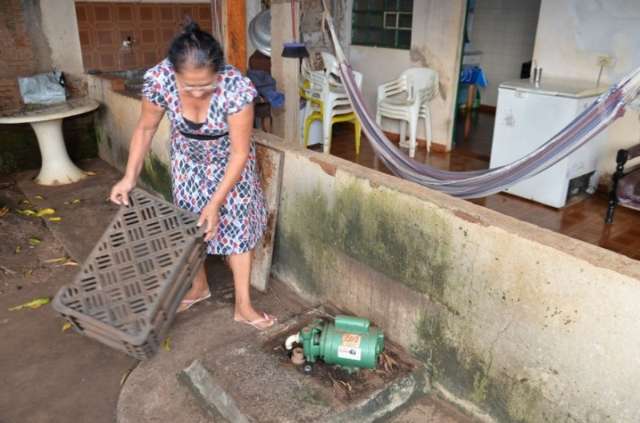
(194, 88)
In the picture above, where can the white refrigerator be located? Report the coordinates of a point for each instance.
(528, 115)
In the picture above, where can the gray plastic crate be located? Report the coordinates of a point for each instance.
(129, 288)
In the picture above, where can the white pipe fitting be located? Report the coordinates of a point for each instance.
(288, 344)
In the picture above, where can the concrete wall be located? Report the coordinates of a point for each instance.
(529, 325)
(116, 121)
(573, 34)
(315, 38)
(436, 42)
(60, 26)
(504, 31)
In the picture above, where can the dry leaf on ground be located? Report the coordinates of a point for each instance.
(33, 304)
(45, 212)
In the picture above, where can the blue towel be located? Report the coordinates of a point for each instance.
(471, 74)
(266, 86)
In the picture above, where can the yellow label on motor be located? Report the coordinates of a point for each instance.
(351, 340)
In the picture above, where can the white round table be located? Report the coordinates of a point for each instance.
(46, 121)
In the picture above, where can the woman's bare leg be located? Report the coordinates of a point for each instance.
(241, 267)
(199, 287)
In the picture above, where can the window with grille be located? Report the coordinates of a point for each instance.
(382, 23)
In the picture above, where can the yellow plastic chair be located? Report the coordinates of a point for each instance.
(327, 102)
(335, 118)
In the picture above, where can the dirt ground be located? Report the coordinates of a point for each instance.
(48, 375)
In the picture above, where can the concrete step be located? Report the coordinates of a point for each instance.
(430, 409)
(253, 380)
(152, 391)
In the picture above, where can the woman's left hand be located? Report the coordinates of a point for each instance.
(209, 217)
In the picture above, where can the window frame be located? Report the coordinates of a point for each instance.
(365, 34)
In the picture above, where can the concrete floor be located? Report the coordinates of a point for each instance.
(51, 375)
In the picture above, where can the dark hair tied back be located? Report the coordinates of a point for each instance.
(191, 27)
(197, 48)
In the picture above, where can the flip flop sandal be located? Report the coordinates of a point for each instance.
(187, 304)
(256, 323)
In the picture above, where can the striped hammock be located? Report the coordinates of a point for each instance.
(481, 183)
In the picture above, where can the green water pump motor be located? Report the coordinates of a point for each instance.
(349, 342)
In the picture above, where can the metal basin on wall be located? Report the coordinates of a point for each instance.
(260, 32)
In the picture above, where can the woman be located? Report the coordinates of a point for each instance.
(213, 160)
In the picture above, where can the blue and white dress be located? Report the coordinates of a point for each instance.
(198, 162)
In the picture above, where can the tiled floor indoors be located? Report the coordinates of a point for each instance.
(582, 220)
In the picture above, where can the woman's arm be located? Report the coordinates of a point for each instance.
(147, 126)
(240, 129)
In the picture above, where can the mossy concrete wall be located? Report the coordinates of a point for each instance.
(527, 324)
(116, 122)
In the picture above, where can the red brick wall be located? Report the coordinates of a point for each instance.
(10, 99)
(103, 26)
(17, 58)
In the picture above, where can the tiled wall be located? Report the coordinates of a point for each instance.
(104, 26)
(504, 30)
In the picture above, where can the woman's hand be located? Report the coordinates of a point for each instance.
(209, 216)
(120, 191)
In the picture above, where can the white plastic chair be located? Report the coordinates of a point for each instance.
(327, 100)
(407, 100)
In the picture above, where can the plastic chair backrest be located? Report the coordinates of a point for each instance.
(332, 69)
(422, 81)
(305, 68)
(392, 88)
(330, 63)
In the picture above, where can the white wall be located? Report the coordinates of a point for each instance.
(60, 26)
(436, 42)
(504, 31)
(378, 65)
(572, 34)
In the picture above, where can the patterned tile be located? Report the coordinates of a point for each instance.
(152, 26)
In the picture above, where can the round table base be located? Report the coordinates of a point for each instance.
(57, 167)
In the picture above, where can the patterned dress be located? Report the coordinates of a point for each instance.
(198, 166)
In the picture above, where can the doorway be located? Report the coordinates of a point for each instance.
(498, 45)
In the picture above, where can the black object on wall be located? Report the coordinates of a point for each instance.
(525, 70)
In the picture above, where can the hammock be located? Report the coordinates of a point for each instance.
(474, 184)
